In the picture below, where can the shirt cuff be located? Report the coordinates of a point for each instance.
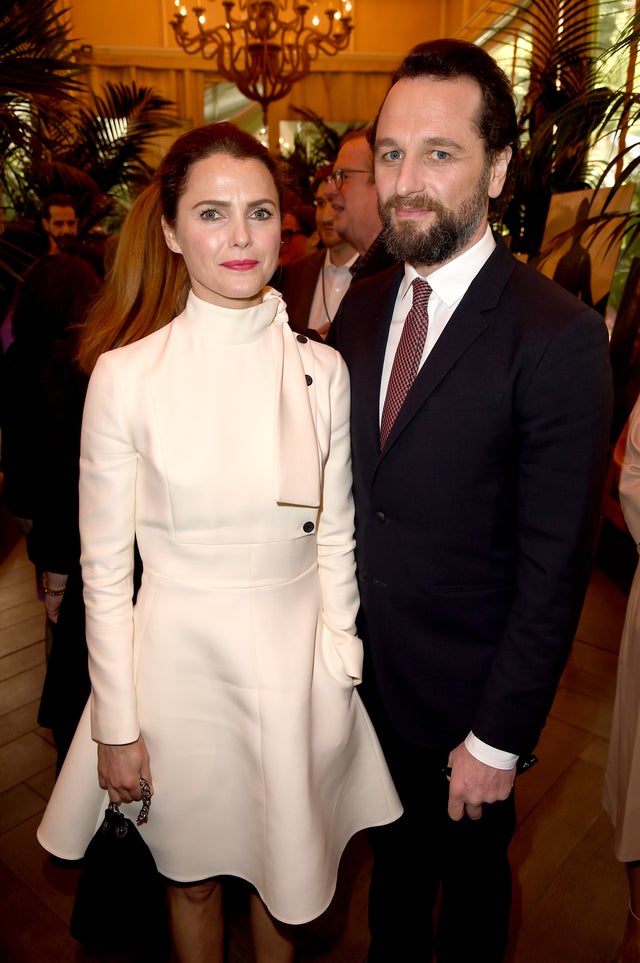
(496, 758)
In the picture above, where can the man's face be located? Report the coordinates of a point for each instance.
(433, 175)
(358, 191)
(328, 207)
(62, 222)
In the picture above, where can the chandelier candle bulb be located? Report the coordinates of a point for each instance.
(261, 50)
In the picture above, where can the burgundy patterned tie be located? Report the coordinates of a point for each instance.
(407, 359)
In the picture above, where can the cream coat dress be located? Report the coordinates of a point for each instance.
(222, 443)
(622, 775)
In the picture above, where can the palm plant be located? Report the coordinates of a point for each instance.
(37, 75)
(96, 152)
(573, 105)
(315, 145)
(56, 135)
(37, 78)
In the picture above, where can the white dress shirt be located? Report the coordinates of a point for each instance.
(331, 287)
(449, 284)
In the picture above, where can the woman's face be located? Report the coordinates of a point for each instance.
(227, 230)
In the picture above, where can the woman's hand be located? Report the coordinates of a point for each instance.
(53, 584)
(120, 769)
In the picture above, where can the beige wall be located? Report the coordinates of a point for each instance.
(128, 40)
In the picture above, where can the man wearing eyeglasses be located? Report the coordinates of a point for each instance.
(314, 286)
(359, 221)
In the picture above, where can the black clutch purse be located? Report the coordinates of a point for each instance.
(120, 901)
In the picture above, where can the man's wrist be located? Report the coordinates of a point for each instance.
(489, 755)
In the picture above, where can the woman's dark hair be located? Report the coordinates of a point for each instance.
(198, 144)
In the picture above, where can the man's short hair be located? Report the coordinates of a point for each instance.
(360, 134)
(354, 135)
(321, 175)
(56, 200)
(448, 59)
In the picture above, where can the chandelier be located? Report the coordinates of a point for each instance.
(259, 50)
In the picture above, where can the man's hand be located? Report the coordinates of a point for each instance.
(473, 783)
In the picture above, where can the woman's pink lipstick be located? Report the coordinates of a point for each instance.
(239, 265)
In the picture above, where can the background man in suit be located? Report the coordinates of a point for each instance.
(314, 286)
(477, 507)
(359, 221)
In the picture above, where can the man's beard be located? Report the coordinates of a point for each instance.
(67, 243)
(450, 232)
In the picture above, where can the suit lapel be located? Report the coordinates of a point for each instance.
(469, 320)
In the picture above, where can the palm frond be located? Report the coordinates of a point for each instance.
(38, 77)
(115, 133)
(314, 146)
(35, 56)
(570, 107)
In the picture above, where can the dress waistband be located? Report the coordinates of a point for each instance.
(232, 565)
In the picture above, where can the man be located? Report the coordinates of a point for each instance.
(314, 286)
(59, 220)
(477, 507)
(359, 221)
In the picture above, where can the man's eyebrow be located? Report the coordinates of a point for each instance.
(431, 143)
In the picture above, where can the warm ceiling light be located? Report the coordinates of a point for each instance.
(261, 50)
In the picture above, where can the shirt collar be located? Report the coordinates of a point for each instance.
(339, 267)
(451, 281)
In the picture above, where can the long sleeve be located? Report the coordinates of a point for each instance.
(564, 422)
(108, 466)
(336, 541)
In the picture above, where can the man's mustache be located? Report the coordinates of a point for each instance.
(418, 202)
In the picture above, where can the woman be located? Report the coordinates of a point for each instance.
(622, 776)
(221, 442)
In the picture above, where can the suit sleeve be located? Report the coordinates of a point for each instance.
(336, 543)
(563, 422)
(108, 467)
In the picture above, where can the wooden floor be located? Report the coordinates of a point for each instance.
(570, 893)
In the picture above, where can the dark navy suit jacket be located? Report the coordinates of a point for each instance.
(476, 525)
(298, 286)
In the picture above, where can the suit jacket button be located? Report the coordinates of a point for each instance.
(380, 516)
(308, 527)
(309, 379)
(301, 338)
